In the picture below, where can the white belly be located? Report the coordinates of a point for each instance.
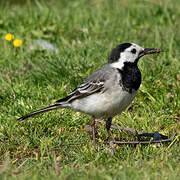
(105, 104)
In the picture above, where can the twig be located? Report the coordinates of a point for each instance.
(121, 128)
(142, 142)
(173, 141)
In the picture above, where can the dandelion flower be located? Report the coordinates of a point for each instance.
(17, 42)
(9, 37)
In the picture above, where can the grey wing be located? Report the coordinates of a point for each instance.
(95, 83)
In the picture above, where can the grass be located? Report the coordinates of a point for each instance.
(55, 145)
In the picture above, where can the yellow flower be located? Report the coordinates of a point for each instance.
(17, 42)
(9, 37)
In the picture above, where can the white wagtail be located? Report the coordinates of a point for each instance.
(109, 90)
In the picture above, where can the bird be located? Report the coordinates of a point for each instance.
(109, 90)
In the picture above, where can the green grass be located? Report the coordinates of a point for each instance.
(84, 33)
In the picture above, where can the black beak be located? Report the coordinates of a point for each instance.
(149, 51)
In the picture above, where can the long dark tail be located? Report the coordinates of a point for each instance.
(49, 108)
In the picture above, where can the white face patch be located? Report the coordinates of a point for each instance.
(129, 55)
(119, 64)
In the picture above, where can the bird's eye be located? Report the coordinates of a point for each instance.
(133, 51)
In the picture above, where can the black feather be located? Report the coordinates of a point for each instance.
(131, 77)
(115, 54)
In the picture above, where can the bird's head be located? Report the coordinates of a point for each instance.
(128, 52)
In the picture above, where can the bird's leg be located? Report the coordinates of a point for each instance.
(93, 131)
(108, 127)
